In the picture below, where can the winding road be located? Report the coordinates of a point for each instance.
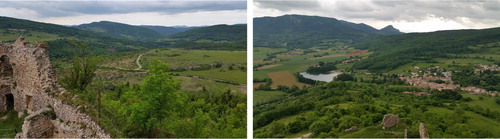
(137, 61)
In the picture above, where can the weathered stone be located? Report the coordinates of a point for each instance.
(423, 132)
(27, 75)
(389, 121)
(354, 128)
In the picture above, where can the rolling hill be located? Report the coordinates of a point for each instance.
(59, 37)
(300, 31)
(167, 31)
(215, 33)
(121, 30)
(394, 51)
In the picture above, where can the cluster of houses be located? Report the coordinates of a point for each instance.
(437, 83)
(487, 67)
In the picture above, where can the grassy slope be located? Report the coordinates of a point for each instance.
(8, 125)
(32, 36)
(260, 97)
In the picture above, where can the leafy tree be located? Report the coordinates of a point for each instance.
(83, 68)
(344, 77)
(319, 126)
(155, 101)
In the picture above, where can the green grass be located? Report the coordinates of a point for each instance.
(260, 97)
(222, 74)
(181, 58)
(487, 102)
(193, 57)
(8, 125)
(193, 84)
(375, 131)
(299, 63)
(260, 53)
(298, 134)
(475, 121)
(31, 36)
(260, 75)
(443, 63)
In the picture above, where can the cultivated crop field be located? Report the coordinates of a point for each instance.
(285, 64)
(232, 63)
(284, 78)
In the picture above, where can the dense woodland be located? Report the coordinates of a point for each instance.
(322, 67)
(485, 79)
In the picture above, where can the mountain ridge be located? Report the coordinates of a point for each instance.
(121, 30)
(300, 31)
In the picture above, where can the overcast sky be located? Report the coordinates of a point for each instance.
(405, 15)
(163, 12)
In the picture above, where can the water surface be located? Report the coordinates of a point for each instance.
(321, 77)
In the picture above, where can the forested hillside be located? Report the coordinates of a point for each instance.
(215, 33)
(121, 30)
(299, 31)
(397, 50)
(108, 37)
(167, 31)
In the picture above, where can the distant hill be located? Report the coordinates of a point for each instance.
(59, 45)
(300, 31)
(122, 30)
(215, 33)
(389, 30)
(393, 51)
(167, 31)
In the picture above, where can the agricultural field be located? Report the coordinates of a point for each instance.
(295, 61)
(260, 53)
(232, 63)
(284, 78)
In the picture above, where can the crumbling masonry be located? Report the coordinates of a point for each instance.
(28, 84)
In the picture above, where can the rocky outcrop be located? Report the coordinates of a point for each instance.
(423, 132)
(27, 75)
(354, 128)
(389, 121)
(38, 125)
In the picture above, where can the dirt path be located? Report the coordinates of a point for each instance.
(137, 61)
(306, 135)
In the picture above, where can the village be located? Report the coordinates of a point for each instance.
(441, 80)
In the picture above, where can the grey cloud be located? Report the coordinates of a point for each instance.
(390, 10)
(287, 5)
(70, 8)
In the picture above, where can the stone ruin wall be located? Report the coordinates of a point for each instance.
(31, 82)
